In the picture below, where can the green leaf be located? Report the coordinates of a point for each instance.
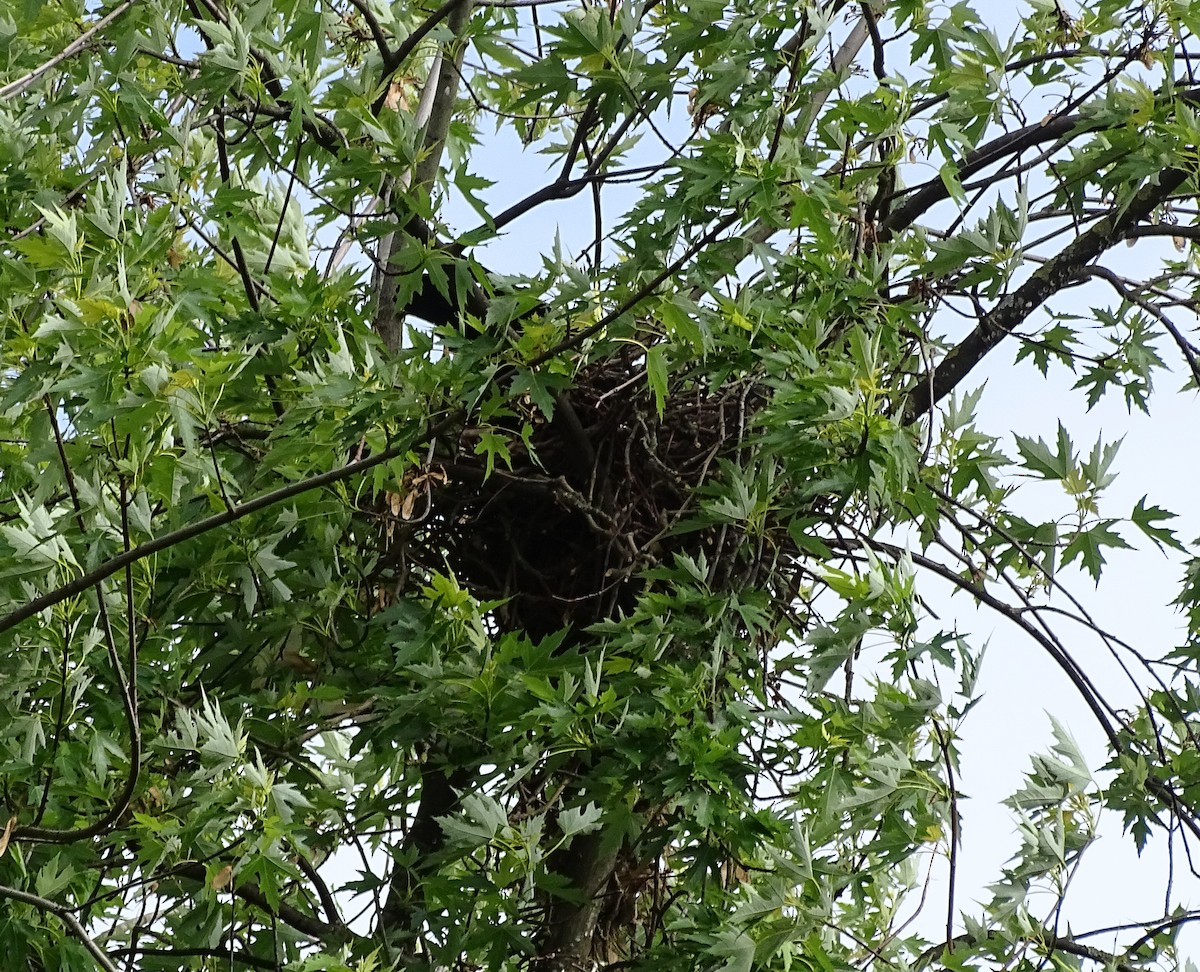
(1088, 546)
(1043, 460)
(656, 375)
(1146, 518)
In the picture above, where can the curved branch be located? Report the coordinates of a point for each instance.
(64, 915)
(1050, 943)
(984, 596)
(290, 916)
(1122, 287)
(1077, 677)
(924, 197)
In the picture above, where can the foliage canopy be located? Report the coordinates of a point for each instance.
(389, 583)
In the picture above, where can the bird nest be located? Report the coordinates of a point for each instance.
(606, 488)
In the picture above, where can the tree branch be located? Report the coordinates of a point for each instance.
(922, 198)
(1056, 274)
(433, 115)
(23, 84)
(66, 917)
(373, 25)
(1128, 293)
(250, 892)
(124, 684)
(232, 515)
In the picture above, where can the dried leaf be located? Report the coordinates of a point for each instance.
(293, 659)
(396, 98)
(6, 834)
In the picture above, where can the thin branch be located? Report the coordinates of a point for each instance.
(944, 746)
(631, 302)
(290, 916)
(1077, 677)
(518, 3)
(409, 44)
(373, 25)
(248, 283)
(1048, 943)
(256, 505)
(872, 24)
(23, 84)
(124, 690)
(234, 958)
(66, 917)
(1120, 285)
(1003, 608)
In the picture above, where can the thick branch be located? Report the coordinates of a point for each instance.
(922, 199)
(1057, 273)
(588, 865)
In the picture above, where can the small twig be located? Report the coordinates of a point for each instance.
(373, 25)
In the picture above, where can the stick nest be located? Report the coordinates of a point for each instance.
(604, 489)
